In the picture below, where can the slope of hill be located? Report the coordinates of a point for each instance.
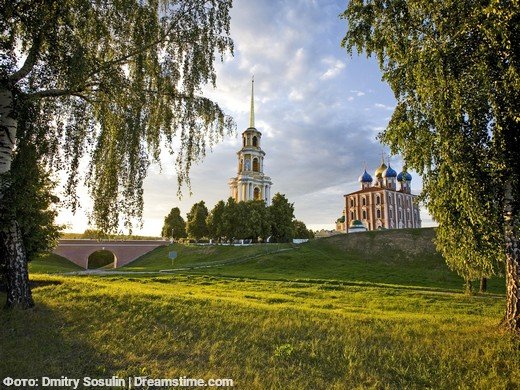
(404, 257)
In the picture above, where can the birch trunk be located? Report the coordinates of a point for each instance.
(12, 252)
(512, 249)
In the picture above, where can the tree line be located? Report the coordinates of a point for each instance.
(232, 220)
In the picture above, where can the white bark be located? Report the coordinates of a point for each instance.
(8, 125)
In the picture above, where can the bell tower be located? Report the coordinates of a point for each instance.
(251, 183)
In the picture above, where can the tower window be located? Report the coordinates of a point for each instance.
(363, 201)
(256, 165)
(257, 194)
(364, 213)
(378, 213)
(378, 199)
(255, 141)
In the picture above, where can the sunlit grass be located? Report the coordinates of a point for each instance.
(263, 334)
(316, 316)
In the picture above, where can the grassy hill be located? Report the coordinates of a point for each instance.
(50, 263)
(405, 257)
(330, 314)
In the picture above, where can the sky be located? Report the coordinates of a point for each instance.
(318, 109)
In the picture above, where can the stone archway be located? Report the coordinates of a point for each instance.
(102, 259)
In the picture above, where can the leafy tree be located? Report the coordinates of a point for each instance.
(453, 67)
(231, 220)
(300, 230)
(282, 214)
(215, 221)
(112, 79)
(196, 225)
(259, 220)
(29, 197)
(174, 225)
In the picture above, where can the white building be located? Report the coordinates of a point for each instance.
(251, 183)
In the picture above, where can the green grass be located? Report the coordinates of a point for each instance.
(50, 263)
(261, 333)
(318, 316)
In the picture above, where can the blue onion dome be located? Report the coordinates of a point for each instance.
(389, 172)
(365, 177)
(404, 175)
(380, 170)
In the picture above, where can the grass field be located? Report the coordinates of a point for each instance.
(318, 317)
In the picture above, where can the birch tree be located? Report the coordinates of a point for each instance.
(454, 69)
(112, 82)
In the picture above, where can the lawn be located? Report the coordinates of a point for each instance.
(316, 316)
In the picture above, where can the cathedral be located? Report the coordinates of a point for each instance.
(251, 181)
(383, 203)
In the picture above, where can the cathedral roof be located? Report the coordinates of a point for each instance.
(365, 177)
(389, 172)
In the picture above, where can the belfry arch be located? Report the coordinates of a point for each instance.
(257, 194)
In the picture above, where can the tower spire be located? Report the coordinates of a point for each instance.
(252, 113)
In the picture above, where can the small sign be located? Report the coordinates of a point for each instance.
(172, 255)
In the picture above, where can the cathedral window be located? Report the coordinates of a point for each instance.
(378, 199)
(364, 214)
(363, 201)
(378, 213)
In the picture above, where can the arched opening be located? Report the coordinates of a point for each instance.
(241, 165)
(101, 259)
(255, 141)
(256, 166)
(244, 141)
(257, 194)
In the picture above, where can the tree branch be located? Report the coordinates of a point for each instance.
(29, 63)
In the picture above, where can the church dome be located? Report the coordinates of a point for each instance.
(404, 176)
(357, 223)
(379, 171)
(365, 177)
(389, 172)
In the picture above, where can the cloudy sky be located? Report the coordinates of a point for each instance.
(318, 109)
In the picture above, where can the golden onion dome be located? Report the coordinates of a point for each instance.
(380, 170)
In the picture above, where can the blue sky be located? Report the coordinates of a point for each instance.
(318, 109)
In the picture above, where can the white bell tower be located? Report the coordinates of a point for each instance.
(251, 183)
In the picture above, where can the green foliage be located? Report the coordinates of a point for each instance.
(301, 231)
(453, 67)
(282, 214)
(196, 221)
(112, 80)
(29, 198)
(215, 221)
(174, 225)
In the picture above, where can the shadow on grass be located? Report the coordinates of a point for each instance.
(35, 344)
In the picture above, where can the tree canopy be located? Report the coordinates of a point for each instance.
(174, 225)
(282, 214)
(196, 221)
(454, 70)
(111, 82)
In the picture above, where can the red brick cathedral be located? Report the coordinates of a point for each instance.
(383, 203)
